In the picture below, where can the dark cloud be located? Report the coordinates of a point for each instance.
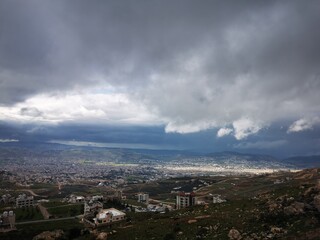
(194, 63)
(273, 141)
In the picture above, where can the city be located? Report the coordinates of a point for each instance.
(92, 195)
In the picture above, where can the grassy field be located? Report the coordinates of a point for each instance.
(66, 210)
(24, 214)
(53, 203)
(72, 229)
(27, 214)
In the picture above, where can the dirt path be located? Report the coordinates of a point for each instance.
(31, 192)
(44, 212)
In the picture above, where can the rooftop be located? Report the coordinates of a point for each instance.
(112, 211)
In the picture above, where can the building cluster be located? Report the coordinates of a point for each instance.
(22, 201)
(7, 199)
(112, 195)
(95, 215)
(31, 168)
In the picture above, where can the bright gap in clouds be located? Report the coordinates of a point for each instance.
(108, 108)
(116, 107)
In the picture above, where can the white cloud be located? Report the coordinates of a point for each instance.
(115, 108)
(187, 128)
(303, 124)
(244, 127)
(8, 140)
(224, 132)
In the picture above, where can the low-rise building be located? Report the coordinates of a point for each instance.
(92, 207)
(218, 199)
(107, 216)
(7, 221)
(76, 199)
(158, 207)
(7, 198)
(97, 198)
(184, 199)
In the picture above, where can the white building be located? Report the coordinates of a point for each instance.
(159, 207)
(76, 199)
(7, 221)
(97, 198)
(217, 199)
(110, 215)
(143, 198)
(24, 201)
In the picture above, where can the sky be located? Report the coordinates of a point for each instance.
(202, 75)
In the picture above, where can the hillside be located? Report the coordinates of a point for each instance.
(282, 205)
(289, 209)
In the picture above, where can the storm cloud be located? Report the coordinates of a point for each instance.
(195, 65)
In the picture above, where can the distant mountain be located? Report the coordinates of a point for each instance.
(247, 156)
(304, 161)
(176, 158)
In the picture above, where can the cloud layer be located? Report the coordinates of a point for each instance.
(188, 64)
(111, 108)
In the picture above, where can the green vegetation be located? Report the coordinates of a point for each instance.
(71, 228)
(69, 210)
(133, 202)
(53, 204)
(27, 214)
(42, 186)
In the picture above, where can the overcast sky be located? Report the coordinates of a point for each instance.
(233, 68)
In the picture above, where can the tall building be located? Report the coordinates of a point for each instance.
(143, 197)
(184, 199)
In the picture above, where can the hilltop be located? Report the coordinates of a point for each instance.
(288, 209)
